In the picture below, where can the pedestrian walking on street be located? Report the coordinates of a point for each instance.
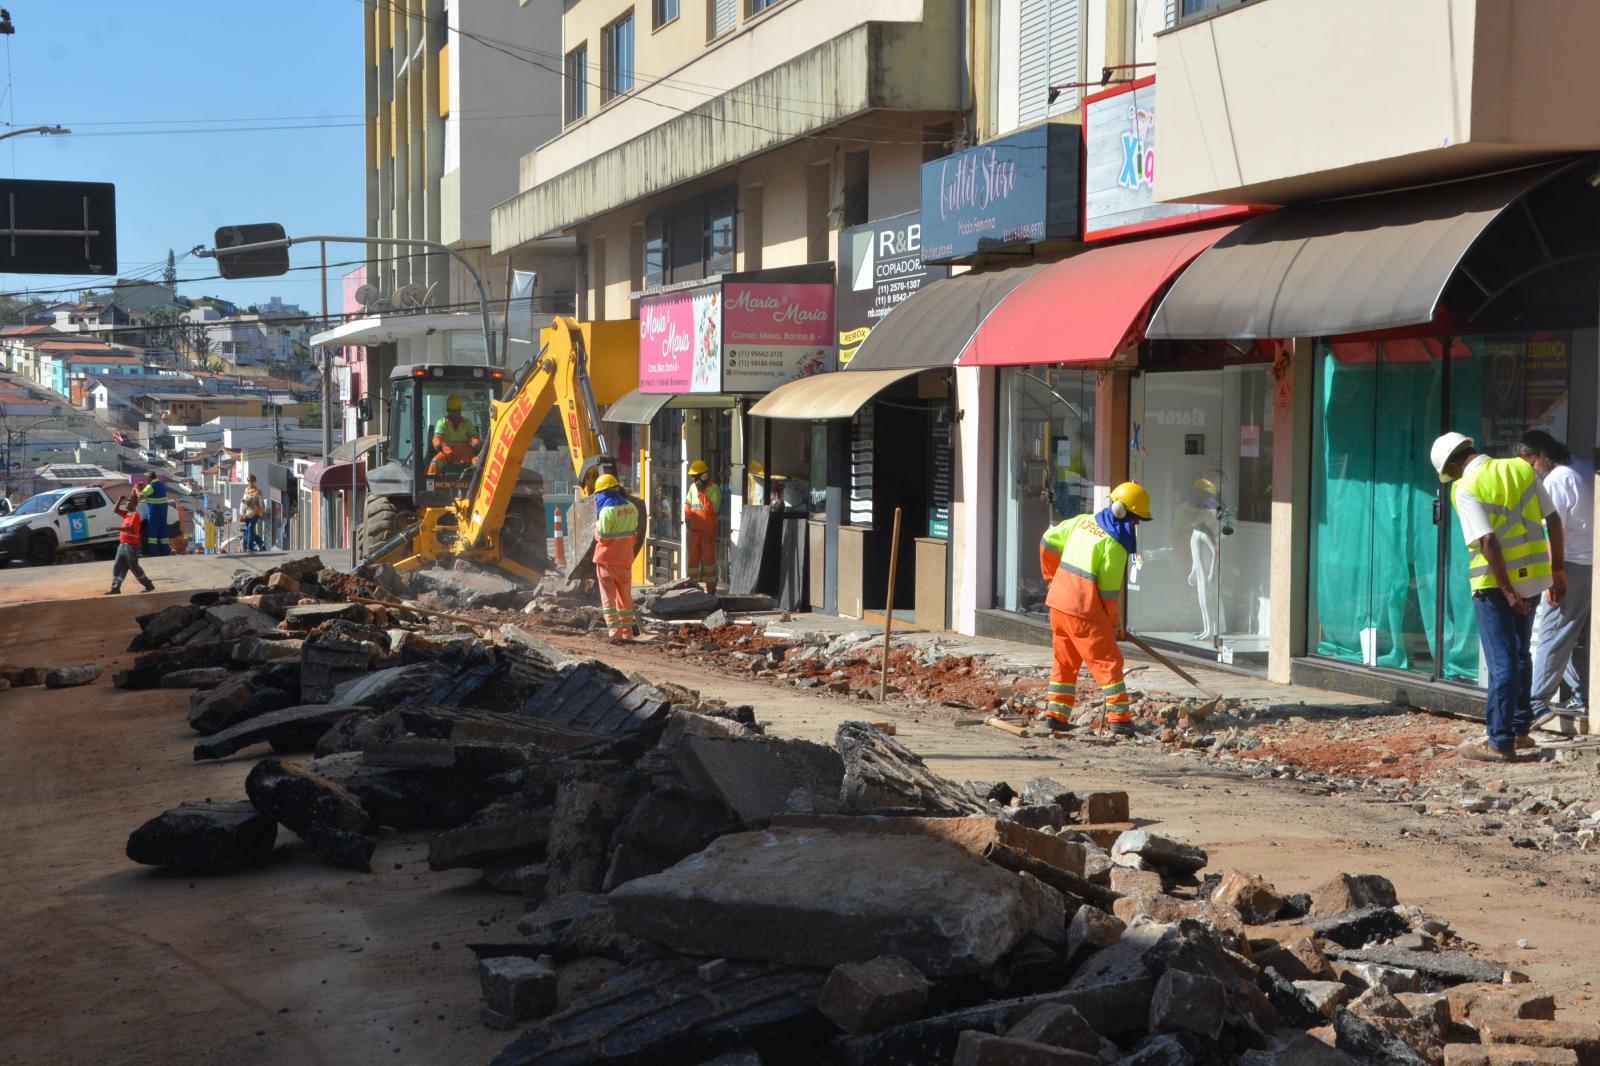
(701, 506)
(251, 509)
(1562, 629)
(153, 497)
(1085, 560)
(616, 526)
(1514, 541)
(128, 548)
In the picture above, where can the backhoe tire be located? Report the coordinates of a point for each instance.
(383, 518)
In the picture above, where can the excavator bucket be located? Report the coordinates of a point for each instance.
(580, 538)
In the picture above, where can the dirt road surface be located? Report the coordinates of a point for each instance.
(105, 961)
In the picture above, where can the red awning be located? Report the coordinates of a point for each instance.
(334, 477)
(1080, 310)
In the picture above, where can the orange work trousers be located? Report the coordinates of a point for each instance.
(616, 599)
(702, 564)
(1075, 641)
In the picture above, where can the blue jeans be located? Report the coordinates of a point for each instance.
(252, 535)
(1506, 635)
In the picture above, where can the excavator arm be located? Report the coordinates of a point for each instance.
(558, 376)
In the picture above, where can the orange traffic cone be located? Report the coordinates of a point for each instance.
(560, 540)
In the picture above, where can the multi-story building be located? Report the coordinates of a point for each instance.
(454, 92)
(712, 148)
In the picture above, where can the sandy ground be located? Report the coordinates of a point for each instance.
(105, 961)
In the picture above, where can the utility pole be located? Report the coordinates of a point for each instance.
(327, 415)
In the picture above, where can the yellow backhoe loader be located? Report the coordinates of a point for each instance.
(471, 522)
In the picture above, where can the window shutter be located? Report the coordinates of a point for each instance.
(1171, 19)
(722, 15)
(1033, 61)
(1064, 53)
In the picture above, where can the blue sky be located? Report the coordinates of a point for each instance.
(158, 95)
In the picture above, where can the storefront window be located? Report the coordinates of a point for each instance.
(666, 489)
(1202, 444)
(1047, 471)
(1379, 577)
(785, 452)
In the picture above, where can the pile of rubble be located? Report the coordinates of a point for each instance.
(699, 891)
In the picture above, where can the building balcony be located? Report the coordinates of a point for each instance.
(1278, 101)
(797, 70)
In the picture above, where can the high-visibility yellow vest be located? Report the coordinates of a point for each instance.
(1509, 490)
(454, 433)
(614, 530)
(1091, 567)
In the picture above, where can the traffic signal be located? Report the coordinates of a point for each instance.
(262, 263)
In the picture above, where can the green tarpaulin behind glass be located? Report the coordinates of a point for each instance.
(1375, 546)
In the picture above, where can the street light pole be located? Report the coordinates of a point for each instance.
(47, 131)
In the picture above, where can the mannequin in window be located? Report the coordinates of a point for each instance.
(1198, 514)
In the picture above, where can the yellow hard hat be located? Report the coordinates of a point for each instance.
(453, 404)
(1134, 499)
(605, 481)
(755, 469)
(698, 467)
(1206, 485)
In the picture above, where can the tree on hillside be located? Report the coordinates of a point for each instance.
(169, 276)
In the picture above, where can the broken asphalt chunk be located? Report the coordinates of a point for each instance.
(660, 1011)
(213, 837)
(327, 816)
(881, 774)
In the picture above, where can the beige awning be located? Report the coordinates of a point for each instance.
(837, 395)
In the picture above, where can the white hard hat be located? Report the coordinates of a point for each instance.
(1443, 448)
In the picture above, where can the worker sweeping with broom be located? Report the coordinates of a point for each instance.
(1085, 560)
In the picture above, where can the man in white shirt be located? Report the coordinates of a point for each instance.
(1563, 629)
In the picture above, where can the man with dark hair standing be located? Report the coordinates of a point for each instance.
(1563, 628)
(1513, 537)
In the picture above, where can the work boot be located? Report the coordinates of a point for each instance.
(149, 586)
(1525, 742)
(1122, 729)
(1483, 751)
(113, 591)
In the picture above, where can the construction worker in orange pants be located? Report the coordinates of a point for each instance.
(701, 506)
(1085, 559)
(616, 525)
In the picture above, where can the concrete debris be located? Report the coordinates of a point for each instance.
(1189, 1002)
(864, 997)
(72, 676)
(1348, 892)
(1441, 969)
(1508, 1055)
(815, 898)
(511, 831)
(321, 812)
(517, 988)
(290, 729)
(977, 1048)
(758, 777)
(659, 1011)
(211, 837)
(701, 892)
(464, 587)
(1256, 901)
(678, 604)
(1160, 852)
(882, 774)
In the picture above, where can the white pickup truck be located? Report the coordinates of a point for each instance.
(47, 526)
